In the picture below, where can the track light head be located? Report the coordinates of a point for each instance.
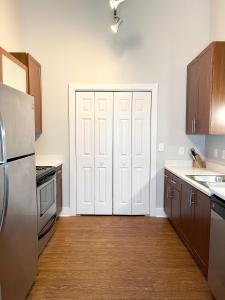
(116, 25)
(115, 3)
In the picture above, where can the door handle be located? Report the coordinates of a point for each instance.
(5, 197)
(3, 156)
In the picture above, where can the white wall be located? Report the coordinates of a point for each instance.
(9, 25)
(217, 33)
(73, 42)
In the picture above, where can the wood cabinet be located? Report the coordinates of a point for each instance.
(58, 190)
(186, 210)
(34, 85)
(190, 212)
(201, 226)
(12, 72)
(205, 112)
(172, 198)
(167, 194)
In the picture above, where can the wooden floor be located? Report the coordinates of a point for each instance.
(117, 258)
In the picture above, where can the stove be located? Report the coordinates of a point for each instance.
(44, 171)
(46, 204)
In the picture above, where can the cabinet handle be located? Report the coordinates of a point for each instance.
(191, 200)
(194, 125)
(169, 194)
(174, 182)
(190, 197)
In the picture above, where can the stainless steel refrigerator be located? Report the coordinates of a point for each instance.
(18, 207)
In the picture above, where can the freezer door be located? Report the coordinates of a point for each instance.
(17, 120)
(18, 238)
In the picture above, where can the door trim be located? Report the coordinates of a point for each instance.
(73, 88)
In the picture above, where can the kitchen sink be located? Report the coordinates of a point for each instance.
(207, 179)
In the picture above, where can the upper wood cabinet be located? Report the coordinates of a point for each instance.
(34, 85)
(206, 92)
(12, 72)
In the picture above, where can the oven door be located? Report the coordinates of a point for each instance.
(46, 200)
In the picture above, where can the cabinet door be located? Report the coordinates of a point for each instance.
(58, 190)
(192, 97)
(186, 212)
(167, 194)
(176, 202)
(34, 71)
(141, 106)
(204, 92)
(122, 153)
(85, 152)
(201, 223)
(103, 152)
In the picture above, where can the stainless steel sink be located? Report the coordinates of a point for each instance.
(207, 179)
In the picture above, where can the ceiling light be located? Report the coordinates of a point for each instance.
(115, 3)
(116, 25)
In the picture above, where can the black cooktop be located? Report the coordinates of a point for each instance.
(44, 171)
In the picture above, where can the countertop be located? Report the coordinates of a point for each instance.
(218, 189)
(49, 160)
(181, 172)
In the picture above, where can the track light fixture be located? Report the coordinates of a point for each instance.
(116, 19)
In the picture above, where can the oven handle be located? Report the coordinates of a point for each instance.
(46, 231)
(46, 180)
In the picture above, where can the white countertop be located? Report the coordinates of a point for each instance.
(49, 160)
(181, 172)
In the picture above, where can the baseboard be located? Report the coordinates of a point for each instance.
(67, 212)
(160, 213)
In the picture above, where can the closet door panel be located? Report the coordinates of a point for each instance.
(103, 152)
(141, 108)
(122, 153)
(85, 152)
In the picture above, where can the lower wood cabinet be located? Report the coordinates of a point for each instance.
(58, 190)
(189, 211)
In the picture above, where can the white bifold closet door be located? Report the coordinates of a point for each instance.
(141, 152)
(131, 162)
(94, 113)
(122, 153)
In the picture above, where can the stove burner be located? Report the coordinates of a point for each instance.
(44, 171)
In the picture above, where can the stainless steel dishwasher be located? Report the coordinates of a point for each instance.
(216, 274)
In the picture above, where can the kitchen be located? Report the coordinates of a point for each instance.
(73, 46)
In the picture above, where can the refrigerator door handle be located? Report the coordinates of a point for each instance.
(5, 197)
(3, 155)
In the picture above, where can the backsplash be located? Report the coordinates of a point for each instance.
(212, 144)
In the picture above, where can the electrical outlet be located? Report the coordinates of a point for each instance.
(223, 154)
(181, 150)
(215, 153)
(161, 147)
